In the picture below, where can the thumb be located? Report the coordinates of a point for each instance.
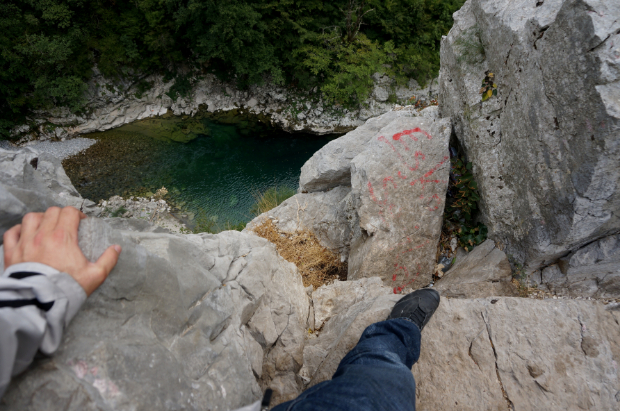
(102, 268)
(109, 258)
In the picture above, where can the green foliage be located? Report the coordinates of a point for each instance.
(142, 86)
(181, 87)
(49, 48)
(466, 197)
(464, 203)
(345, 67)
(118, 212)
(470, 236)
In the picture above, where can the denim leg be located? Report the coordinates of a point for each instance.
(375, 375)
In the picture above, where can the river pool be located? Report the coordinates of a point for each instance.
(212, 170)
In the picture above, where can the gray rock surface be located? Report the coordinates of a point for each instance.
(180, 323)
(545, 148)
(323, 213)
(58, 149)
(484, 272)
(592, 271)
(521, 354)
(399, 184)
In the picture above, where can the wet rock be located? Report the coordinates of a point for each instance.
(513, 353)
(544, 145)
(484, 272)
(399, 184)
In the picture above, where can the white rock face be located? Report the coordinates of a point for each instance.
(400, 182)
(175, 324)
(114, 103)
(389, 223)
(545, 148)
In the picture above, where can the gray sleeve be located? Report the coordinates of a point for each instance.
(37, 302)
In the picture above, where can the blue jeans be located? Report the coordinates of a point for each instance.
(375, 375)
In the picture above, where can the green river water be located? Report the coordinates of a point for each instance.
(212, 170)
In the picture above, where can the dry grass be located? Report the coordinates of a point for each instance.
(316, 264)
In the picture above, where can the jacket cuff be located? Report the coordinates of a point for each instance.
(71, 290)
(30, 267)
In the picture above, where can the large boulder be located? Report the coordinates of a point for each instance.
(399, 185)
(194, 322)
(519, 354)
(545, 144)
(331, 165)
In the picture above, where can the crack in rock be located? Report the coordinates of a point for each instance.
(499, 378)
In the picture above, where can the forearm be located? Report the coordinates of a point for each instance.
(37, 302)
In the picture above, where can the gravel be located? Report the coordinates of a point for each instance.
(59, 149)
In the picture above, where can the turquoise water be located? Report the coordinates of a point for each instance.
(215, 177)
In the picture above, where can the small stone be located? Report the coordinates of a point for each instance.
(453, 244)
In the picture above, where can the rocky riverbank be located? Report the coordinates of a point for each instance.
(111, 104)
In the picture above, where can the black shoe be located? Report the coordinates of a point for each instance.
(418, 306)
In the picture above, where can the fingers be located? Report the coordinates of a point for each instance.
(50, 219)
(11, 237)
(30, 224)
(69, 219)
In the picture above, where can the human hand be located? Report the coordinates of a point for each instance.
(51, 238)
